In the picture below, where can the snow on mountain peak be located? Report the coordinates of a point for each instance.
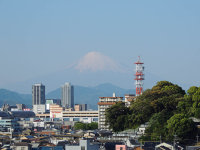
(95, 61)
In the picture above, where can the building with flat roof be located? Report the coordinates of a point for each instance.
(39, 109)
(67, 95)
(56, 111)
(80, 107)
(38, 94)
(103, 104)
(84, 144)
(52, 101)
(82, 116)
(72, 116)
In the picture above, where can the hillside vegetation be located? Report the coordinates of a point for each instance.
(167, 109)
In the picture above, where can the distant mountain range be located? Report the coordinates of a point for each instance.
(82, 95)
(12, 98)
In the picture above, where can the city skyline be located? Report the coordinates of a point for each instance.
(42, 38)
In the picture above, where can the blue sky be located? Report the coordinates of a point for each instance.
(41, 37)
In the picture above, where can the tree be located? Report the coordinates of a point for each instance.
(164, 96)
(156, 106)
(86, 126)
(165, 106)
(191, 103)
(192, 90)
(117, 116)
(141, 112)
(92, 126)
(182, 126)
(80, 125)
(157, 125)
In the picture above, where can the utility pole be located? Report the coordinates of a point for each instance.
(160, 138)
(197, 138)
(175, 140)
(141, 145)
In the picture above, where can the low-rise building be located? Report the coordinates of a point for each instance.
(22, 146)
(52, 101)
(56, 111)
(80, 107)
(83, 145)
(70, 116)
(39, 109)
(82, 116)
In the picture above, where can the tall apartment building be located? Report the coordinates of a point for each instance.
(103, 104)
(38, 98)
(67, 95)
(38, 94)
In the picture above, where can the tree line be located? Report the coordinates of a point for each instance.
(86, 126)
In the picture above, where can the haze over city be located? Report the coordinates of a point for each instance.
(40, 40)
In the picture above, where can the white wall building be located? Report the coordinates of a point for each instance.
(103, 104)
(39, 109)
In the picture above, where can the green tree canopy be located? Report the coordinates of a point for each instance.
(117, 116)
(157, 125)
(79, 125)
(190, 105)
(167, 109)
(164, 96)
(92, 126)
(181, 126)
(86, 126)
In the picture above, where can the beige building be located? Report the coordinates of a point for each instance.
(103, 104)
(77, 107)
(82, 116)
(56, 111)
(80, 107)
(72, 116)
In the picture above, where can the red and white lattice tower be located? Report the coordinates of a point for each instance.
(139, 77)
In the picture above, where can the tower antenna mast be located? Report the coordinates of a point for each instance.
(139, 77)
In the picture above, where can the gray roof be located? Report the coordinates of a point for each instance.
(21, 144)
(4, 114)
(23, 114)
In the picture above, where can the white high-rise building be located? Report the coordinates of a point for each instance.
(67, 98)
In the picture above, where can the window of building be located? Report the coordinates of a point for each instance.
(66, 119)
(76, 119)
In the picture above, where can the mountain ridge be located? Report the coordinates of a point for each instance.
(82, 95)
